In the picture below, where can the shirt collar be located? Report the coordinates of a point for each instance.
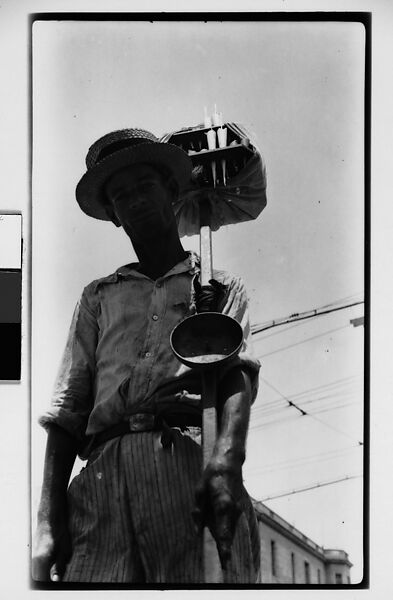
(190, 264)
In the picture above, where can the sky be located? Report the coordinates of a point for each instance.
(298, 87)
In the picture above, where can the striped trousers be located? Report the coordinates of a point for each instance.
(130, 515)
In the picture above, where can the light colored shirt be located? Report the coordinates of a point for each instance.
(118, 359)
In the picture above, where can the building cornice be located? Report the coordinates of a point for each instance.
(327, 556)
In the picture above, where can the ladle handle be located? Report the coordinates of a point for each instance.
(205, 242)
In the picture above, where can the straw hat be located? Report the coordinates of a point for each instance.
(120, 149)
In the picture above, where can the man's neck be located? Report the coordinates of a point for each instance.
(160, 257)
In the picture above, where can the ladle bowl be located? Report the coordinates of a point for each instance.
(206, 340)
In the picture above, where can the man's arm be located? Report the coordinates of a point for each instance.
(218, 496)
(51, 549)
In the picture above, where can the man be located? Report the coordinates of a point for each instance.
(123, 401)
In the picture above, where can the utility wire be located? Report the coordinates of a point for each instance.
(309, 314)
(334, 404)
(314, 337)
(279, 332)
(302, 460)
(295, 324)
(334, 428)
(337, 407)
(307, 396)
(334, 399)
(310, 392)
(290, 403)
(280, 420)
(311, 487)
(323, 386)
(266, 424)
(328, 397)
(304, 413)
(346, 299)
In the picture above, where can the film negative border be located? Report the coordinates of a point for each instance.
(10, 296)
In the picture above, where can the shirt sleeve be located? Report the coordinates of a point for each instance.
(236, 306)
(72, 398)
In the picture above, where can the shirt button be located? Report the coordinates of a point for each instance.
(155, 317)
(148, 354)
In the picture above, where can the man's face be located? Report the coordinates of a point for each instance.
(141, 201)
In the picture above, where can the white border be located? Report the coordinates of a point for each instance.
(14, 186)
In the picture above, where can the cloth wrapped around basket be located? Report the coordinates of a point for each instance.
(242, 198)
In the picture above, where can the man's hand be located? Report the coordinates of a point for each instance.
(51, 552)
(218, 503)
(52, 544)
(211, 297)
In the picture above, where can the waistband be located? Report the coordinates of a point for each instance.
(163, 420)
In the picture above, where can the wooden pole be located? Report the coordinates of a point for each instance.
(211, 561)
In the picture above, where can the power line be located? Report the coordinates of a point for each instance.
(281, 420)
(304, 396)
(337, 407)
(266, 424)
(310, 392)
(279, 332)
(311, 487)
(303, 460)
(300, 317)
(329, 397)
(337, 396)
(290, 403)
(346, 299)
(304, 413)
(334, 428)
(333, 405)
(323, 386)
(299, 324)
(314, 337)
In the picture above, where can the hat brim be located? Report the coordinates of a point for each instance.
(90, 189)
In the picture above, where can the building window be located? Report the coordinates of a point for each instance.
(273, 556)
(293, 567)
(307, 572)
(319, 575)
(339, 578)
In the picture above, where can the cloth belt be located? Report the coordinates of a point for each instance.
(163, 420)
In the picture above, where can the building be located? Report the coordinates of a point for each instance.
(290, 557)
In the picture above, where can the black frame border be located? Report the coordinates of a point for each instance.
(365, 18)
